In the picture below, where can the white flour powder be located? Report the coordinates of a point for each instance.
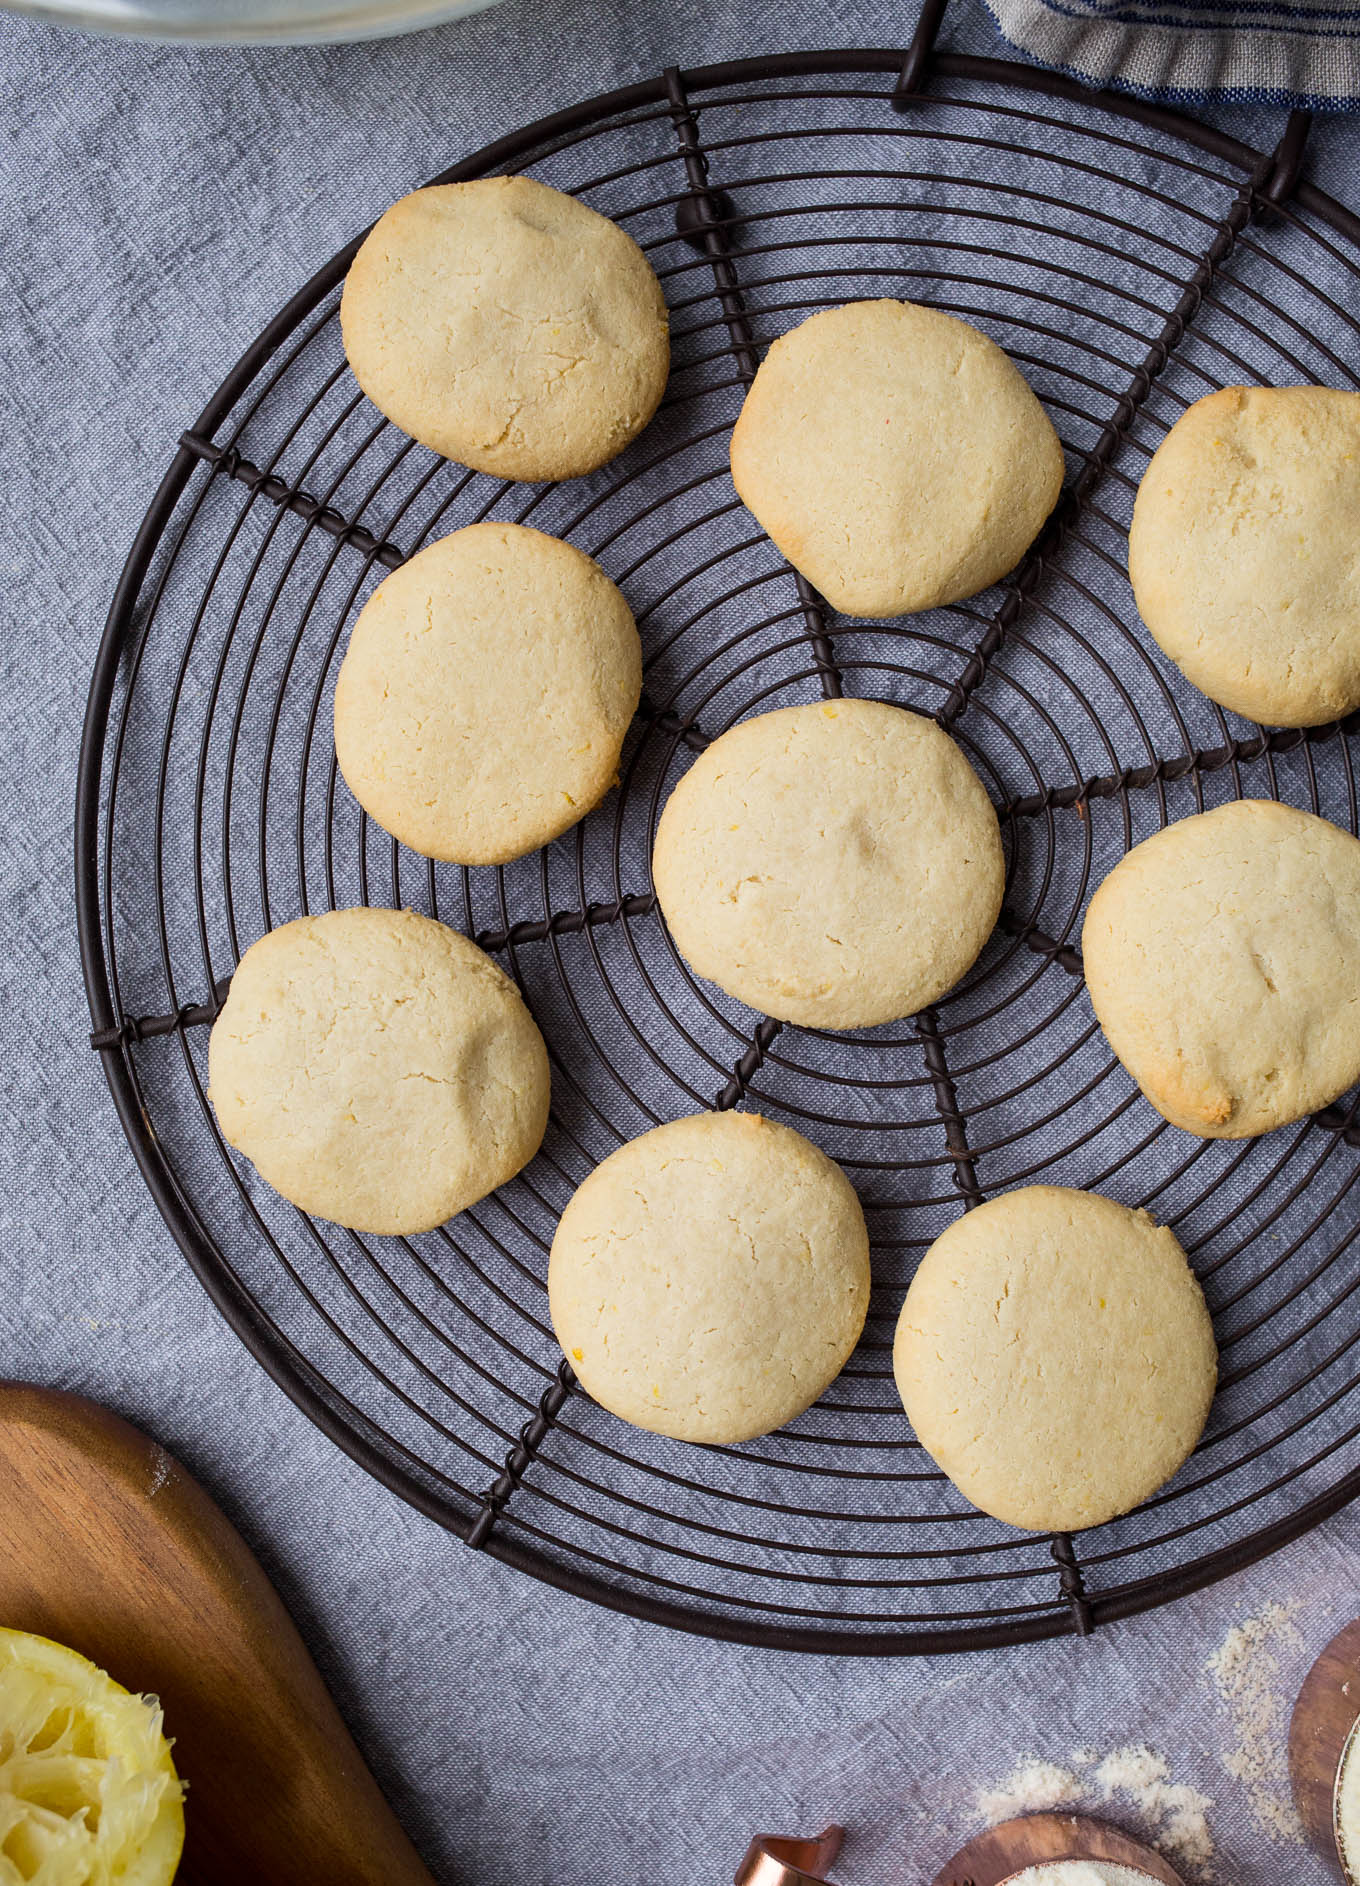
(1080, 1873)
(1246, 1670)
(1348, 1803)
(1176, 1810)
(1174, 1813)
(1030, 1788)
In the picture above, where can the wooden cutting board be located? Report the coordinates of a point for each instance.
(108, 1545)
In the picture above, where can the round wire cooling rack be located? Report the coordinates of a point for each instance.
(1130, 261)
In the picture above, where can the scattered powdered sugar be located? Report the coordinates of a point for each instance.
(161, 1469)
(1030, 1788)
(1246, 1670)
(1175, 1813)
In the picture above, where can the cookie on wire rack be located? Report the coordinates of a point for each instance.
(483, 700)
(377, 1069)
(1055, 1356)
(1222, 960)
(1244, 551)
(709, 1279)
(507, 326)
(837, 864)
(896, 456)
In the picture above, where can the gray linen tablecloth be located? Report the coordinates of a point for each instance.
(156, 206)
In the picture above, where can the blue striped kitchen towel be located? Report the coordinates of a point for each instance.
(1306, 53)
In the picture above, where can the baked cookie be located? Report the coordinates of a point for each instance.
(710, 1279)
(1223, 962)
(508, 327)
(836, 865)
(486, 692)
(377, 1069)
(895, 456)
(1055, 1356)
(1244, 552)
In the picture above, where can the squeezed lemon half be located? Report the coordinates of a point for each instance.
(88, 1793)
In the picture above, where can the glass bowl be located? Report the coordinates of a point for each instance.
(245, 22)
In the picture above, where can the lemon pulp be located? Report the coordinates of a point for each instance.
(88, 1793)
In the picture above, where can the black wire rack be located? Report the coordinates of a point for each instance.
(1129, 260)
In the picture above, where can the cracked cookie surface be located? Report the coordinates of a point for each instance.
(1223, 963)
(485, 694)
(710, 1278)
(377, 1069)
(507, 326)
(1244, 551)
(1055, 1356)
(836, 865)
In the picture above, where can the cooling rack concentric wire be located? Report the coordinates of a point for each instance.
(1129, 261)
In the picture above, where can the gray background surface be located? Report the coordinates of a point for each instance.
(156, 206)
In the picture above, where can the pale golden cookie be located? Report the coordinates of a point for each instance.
(1223, 962)
(377, 1069)
(1244, 552)
(895, 456)
(507, 326)
(709, 1280)
(1055, 1357)
(836, 865)
(486, 692)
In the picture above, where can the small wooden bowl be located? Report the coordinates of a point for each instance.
(1042, 1840)
(1324, 1716)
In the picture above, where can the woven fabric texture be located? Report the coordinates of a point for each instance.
(158, 207)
